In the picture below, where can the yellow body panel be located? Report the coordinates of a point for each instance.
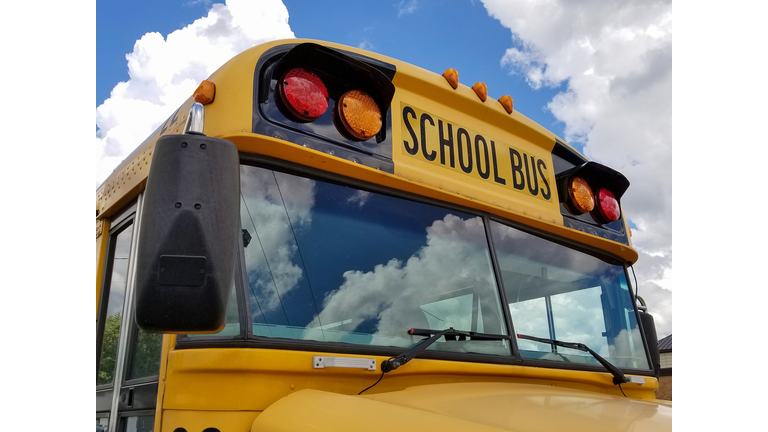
(229, 388)
(200, 420)
(200, 384)
(463, 407)
(168, 342)
(102, 229)
(230, 375)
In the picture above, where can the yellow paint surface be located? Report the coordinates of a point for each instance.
(466, 406)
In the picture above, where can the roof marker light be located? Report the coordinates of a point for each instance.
(304, 93)
(205, 92)
(452, 77)
(359, 114)
(481, 90)
(506, 102)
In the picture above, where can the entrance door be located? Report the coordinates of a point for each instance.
(127, 359)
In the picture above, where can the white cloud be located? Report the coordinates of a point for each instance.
(359, 198)
(165, 71)
(453, 258)
(616, 58)
(406, 7)
(659, 302)
(366, 45)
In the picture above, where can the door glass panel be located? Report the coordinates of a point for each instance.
(102, 424)
(139, 424)
(145, 355)
(117, 283)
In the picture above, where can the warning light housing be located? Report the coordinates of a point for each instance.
(577, 186)
(330, 100)
(605, 219)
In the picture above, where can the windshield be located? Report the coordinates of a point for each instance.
(332, 263)
(555, 292)
(328, 262)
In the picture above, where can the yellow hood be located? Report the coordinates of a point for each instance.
(463, 407)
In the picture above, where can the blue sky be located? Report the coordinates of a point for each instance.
(598, 74)
(120, 24)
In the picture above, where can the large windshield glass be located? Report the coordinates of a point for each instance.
(555, 292)
(327, 262)
(332, 263)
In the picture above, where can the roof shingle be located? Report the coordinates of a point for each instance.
(665, 344)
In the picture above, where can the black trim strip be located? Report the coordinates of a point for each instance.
(500, 287)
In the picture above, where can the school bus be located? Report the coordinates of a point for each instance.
(324, 238)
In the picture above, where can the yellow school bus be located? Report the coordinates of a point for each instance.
(324, 238)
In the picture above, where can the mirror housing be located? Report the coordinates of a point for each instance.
(651, 338)
(188, 235)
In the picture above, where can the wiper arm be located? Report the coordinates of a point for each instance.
(618, 375)
(449, 333)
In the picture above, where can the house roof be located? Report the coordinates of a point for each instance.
(665, 344)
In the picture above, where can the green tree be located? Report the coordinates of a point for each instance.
(108, 357)
(146, 355)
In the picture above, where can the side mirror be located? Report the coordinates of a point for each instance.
(188, 235)
(651, 338)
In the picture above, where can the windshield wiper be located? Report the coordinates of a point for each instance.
(618, 375)
(449, 333)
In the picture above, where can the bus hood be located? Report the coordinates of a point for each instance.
(466, 406)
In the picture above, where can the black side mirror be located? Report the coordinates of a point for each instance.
(651, 338)
(188, 235)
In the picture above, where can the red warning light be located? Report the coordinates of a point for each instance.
(304, 93)
(607, 207)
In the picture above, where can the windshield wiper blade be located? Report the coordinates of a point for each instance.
(434, 335)
(618, 375)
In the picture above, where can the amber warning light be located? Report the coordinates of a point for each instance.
(359, 114)
(580, 194)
